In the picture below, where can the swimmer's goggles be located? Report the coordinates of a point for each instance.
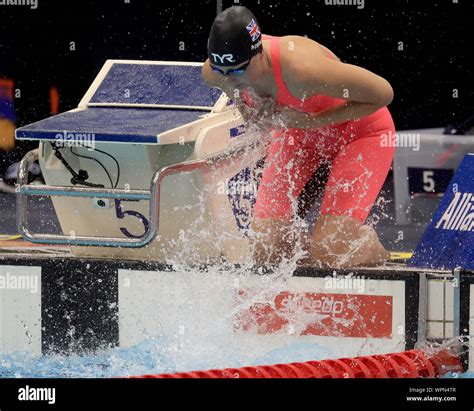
(238, 71)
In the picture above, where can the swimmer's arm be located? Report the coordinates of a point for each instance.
(350, 110)
(364, 92)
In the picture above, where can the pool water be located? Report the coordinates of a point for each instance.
(202, 305)
(148, 357)
(152, 357)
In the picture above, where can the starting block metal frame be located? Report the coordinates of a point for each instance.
(25, 190)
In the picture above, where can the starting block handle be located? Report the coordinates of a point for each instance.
(23, 190)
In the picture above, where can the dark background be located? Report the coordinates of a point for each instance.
(437, 38)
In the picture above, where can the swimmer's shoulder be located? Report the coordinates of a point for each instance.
(297, 55)
(292, 46)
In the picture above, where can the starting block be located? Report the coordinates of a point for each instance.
(160, 150)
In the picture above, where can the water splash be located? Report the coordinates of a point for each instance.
(454, 346)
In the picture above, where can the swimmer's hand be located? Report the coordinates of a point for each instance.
(261, 114)
(291, 117)
(245, 111)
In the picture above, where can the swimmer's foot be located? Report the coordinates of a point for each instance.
(365, 256)
(342, 242)
(272, 241)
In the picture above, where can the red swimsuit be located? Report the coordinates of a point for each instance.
(359, 161)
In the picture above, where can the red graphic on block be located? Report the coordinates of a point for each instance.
(336, 315)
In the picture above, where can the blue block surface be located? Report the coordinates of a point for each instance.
(121, 125)
(129, 83)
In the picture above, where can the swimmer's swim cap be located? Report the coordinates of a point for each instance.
(235, 37)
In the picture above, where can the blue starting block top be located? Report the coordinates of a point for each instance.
(131, 102)
(154, 84)
(112, 125)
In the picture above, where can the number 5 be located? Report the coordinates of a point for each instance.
(429, 183)
(121, 214)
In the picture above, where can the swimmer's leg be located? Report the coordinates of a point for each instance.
(341, 241)
(288, 167)
(340, 238)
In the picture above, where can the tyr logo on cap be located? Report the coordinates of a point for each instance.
(226, 57)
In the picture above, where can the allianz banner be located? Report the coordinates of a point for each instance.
(448, 242)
